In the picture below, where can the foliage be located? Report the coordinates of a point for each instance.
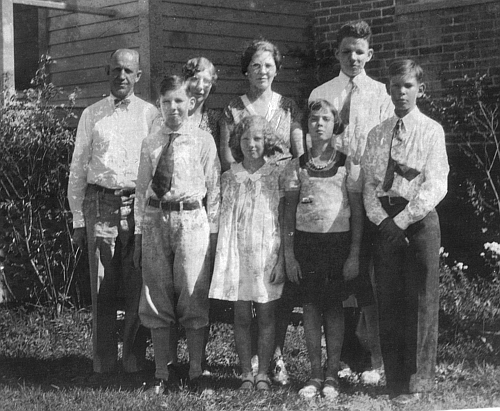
(471, 113)
(35, 149)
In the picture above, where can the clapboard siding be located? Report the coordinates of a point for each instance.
(169, 32)
(221, 29)
(80, 45)
(25, 44)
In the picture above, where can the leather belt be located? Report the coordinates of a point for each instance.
(174, 206)
(113, 191)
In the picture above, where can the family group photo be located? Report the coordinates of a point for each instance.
(250, 205)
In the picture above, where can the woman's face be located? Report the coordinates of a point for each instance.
(262, 70)
(200, 85)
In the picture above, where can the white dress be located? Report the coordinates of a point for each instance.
(249, 235)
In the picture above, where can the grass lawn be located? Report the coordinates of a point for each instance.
(45, 363)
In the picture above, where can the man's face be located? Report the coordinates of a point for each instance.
(404, 93)
(175, 106)
(353, 54)
(123, 73)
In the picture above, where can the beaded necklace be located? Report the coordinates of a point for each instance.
(318, 167)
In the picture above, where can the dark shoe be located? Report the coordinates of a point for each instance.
(201, 385)
(405, 399)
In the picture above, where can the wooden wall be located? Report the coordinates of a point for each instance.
(220, 30)
(26, 54)
(80, 45)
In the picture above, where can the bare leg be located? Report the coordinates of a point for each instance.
(266, 321)
(312, 328)
(334, 331)
(242, 324)
(371, 315)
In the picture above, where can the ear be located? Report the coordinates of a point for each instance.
(370, 55)
(192, 103)
(421, 90)
(138, 75)
(336, 54)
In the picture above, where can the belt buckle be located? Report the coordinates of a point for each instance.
(390, 200)
(181, 205)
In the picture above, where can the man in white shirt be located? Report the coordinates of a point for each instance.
(101, 193)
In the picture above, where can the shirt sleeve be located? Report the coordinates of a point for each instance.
(290, 176)
(77, 183)
(434, 186)
(374, 210)
(144, 177)
(211, 168)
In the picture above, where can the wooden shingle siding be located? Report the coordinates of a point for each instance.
(221, 29)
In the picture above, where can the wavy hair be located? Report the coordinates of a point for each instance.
(252, 123)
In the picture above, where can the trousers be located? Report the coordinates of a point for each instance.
(114, 282)
(407, 284)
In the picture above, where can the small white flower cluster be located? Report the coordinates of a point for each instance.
(442, 253)
(493, 247)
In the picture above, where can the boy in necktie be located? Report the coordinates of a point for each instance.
(175, 236)
(406, 170)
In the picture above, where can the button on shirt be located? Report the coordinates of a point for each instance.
(421, 148)
(196, 171)
(107, 148)
(370, 105)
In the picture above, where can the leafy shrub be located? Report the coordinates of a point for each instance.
(35, 228)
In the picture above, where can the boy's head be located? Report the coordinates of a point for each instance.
(253, 125)
(406, 85)
(353, 47)
(323, 119)
(175, 101)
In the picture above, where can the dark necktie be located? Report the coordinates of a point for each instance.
(124, 103)
(162, 178)
(345, 111)
(391, 165)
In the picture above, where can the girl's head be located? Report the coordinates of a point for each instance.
(253, 137)
(201, 77)
(260, 62)
(323, 120)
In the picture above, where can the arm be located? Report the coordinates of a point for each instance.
(77, 183)
(144, 177)
(434, 186)
(211, 169)
(351, 266)
(291, 265)
(226, 157)
(296, 134)
(277, 276)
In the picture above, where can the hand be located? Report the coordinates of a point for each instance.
(128, 200)
(292, 268)
(351, 267)
(392, 233)
(138, 251)
(212, 248)
(278, 273)
(80, 237)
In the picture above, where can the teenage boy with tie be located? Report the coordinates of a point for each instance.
(406, 170)
(175, 236)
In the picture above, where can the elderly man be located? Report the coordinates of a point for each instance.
(101, 193)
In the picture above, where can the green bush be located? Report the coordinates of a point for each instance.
(35, 226)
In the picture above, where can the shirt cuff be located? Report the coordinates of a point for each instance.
(214, 228)
(402, 220)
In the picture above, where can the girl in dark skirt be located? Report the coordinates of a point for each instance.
(323, 227)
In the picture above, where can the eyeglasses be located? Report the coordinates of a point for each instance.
(200, 80)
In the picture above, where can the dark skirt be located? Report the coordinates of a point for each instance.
(321, 257)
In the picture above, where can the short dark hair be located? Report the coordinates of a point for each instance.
(260, 45)
(358, 29)
(247, 123)
(173, 82)
(317, 105)
(197, 64)
(405, 67)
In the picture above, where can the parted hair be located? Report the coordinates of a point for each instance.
(173, 82)
(253, 123)
(405, 67)
(260, 45)
(320, 104)
(358, 29)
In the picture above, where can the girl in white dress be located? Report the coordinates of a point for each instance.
(249, 264)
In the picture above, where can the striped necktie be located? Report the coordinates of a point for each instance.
(162, 178)
(391, 165)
